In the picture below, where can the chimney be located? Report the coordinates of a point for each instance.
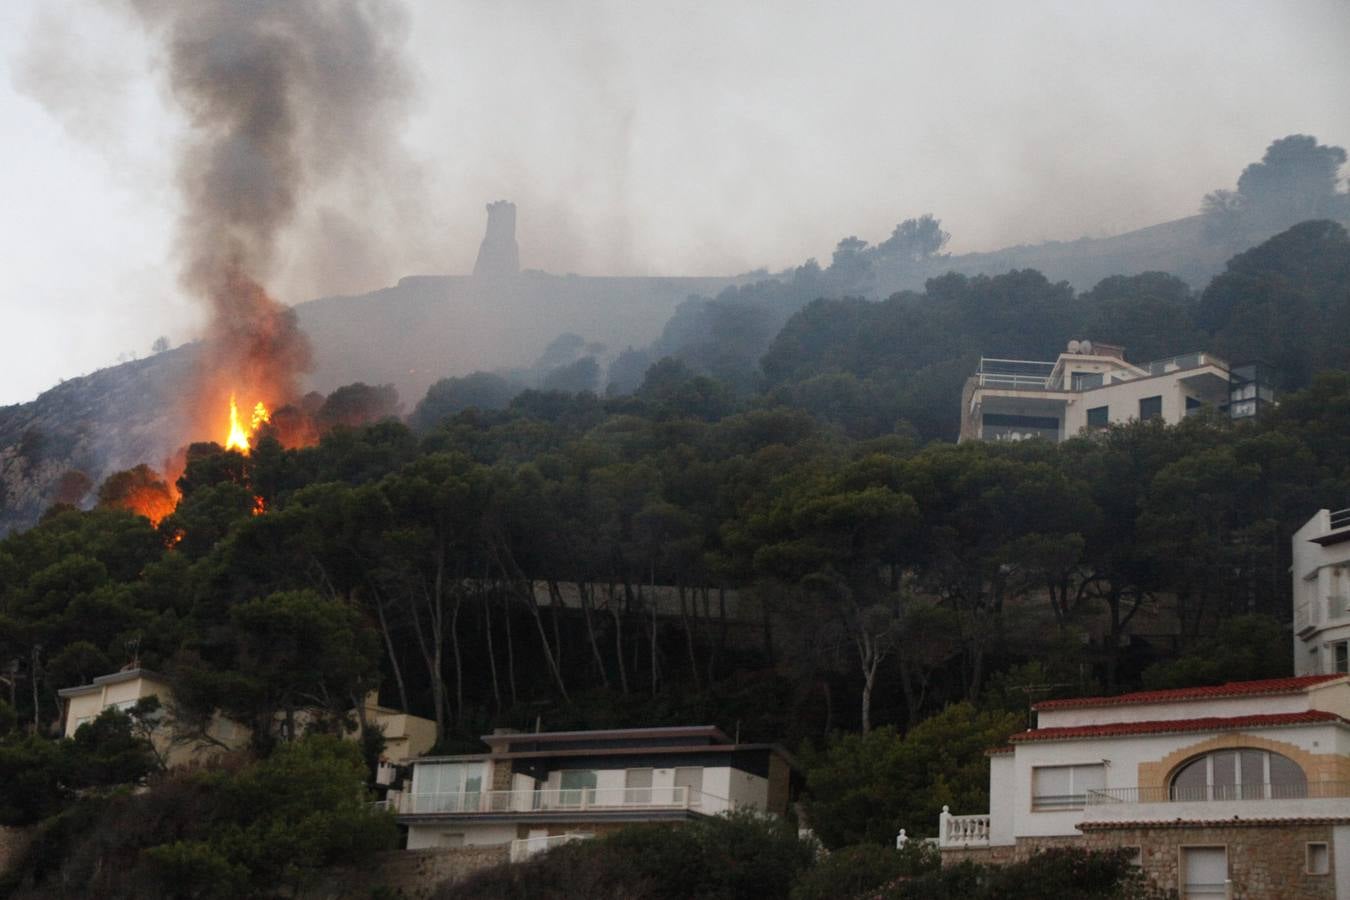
(498, 255)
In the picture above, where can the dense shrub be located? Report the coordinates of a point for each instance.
(737, 857)
(1063, 873)
(256, 830)
(852, 871)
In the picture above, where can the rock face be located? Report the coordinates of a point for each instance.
(498, 255)
(61, 445)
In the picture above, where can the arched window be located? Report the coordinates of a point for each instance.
(1239, 775)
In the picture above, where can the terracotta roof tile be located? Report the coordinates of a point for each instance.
(1210, 723)
(1231, 689)
(1234, 822)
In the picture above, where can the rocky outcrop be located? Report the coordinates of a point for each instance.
(61, 445)
(499, 255)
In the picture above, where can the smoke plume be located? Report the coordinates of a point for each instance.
(283, 100)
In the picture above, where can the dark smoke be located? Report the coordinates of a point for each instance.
(283, 98)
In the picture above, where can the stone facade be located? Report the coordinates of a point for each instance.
(13, 843)
(1025, 848)
(411, 874)
(1265, 861)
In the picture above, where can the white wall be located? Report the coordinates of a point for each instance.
(1002, 798)
(1319, 573)
(1124, 756)
(422, 837)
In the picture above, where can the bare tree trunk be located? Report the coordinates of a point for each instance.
(586, 596)
(555, 603)
(389, 648)
(510, 650)
(689, 639)
(492, 653)
(614, 611)
(459, 667)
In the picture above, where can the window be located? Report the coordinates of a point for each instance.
(447, 787)
(691, 779)
(1319, 860)
(1098, 416)
(637, 786)
(1193, 404)
(1204, 871)
(1065, 787)
(1085, 381)
(578, 787)
(1150, 408)
(1341, 657)
(1239, 775)
(1136, 856)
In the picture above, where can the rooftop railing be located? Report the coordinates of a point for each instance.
(567, 799)
(1184, 361)
(1312, 790)
(1340, 518)
(1025, 374)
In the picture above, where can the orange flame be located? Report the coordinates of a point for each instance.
(239, 438)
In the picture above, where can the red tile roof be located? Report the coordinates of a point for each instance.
(1231, 689)
(1234, 822)
(1210, 723)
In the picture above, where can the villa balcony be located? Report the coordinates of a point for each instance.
(1250, 801)
(578, 800)
(967, 832)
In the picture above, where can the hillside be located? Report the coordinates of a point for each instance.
(62, 444)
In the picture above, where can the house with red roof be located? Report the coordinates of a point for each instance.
(1239, 790)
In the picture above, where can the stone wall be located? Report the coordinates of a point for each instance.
(411, 874)
(1265, 861)
(1008, 853)
(13, 843)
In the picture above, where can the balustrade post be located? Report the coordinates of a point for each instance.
(944, 825)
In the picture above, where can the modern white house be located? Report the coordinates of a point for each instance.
(531, 791)
(1237, 790)
(1092, 385)
(1321, 572)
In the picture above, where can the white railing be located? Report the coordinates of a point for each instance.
(1184, 361)
(962, 831)
(1024, 374)
(1312, 790)
(569, 799)
(527, 847)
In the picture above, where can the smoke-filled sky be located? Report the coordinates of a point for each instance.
(649, 138)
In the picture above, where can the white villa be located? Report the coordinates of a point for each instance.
(1239, 791)
(1322, 593)
(1091, 385)
(534, 790)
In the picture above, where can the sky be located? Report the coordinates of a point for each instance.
(652, 138)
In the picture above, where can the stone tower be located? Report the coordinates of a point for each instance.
(498, 255)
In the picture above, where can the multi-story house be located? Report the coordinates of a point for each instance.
(530, 791)
(123, 690)
(1238, 791)
(1321, 571)
(406, 736)
(1092, 385)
